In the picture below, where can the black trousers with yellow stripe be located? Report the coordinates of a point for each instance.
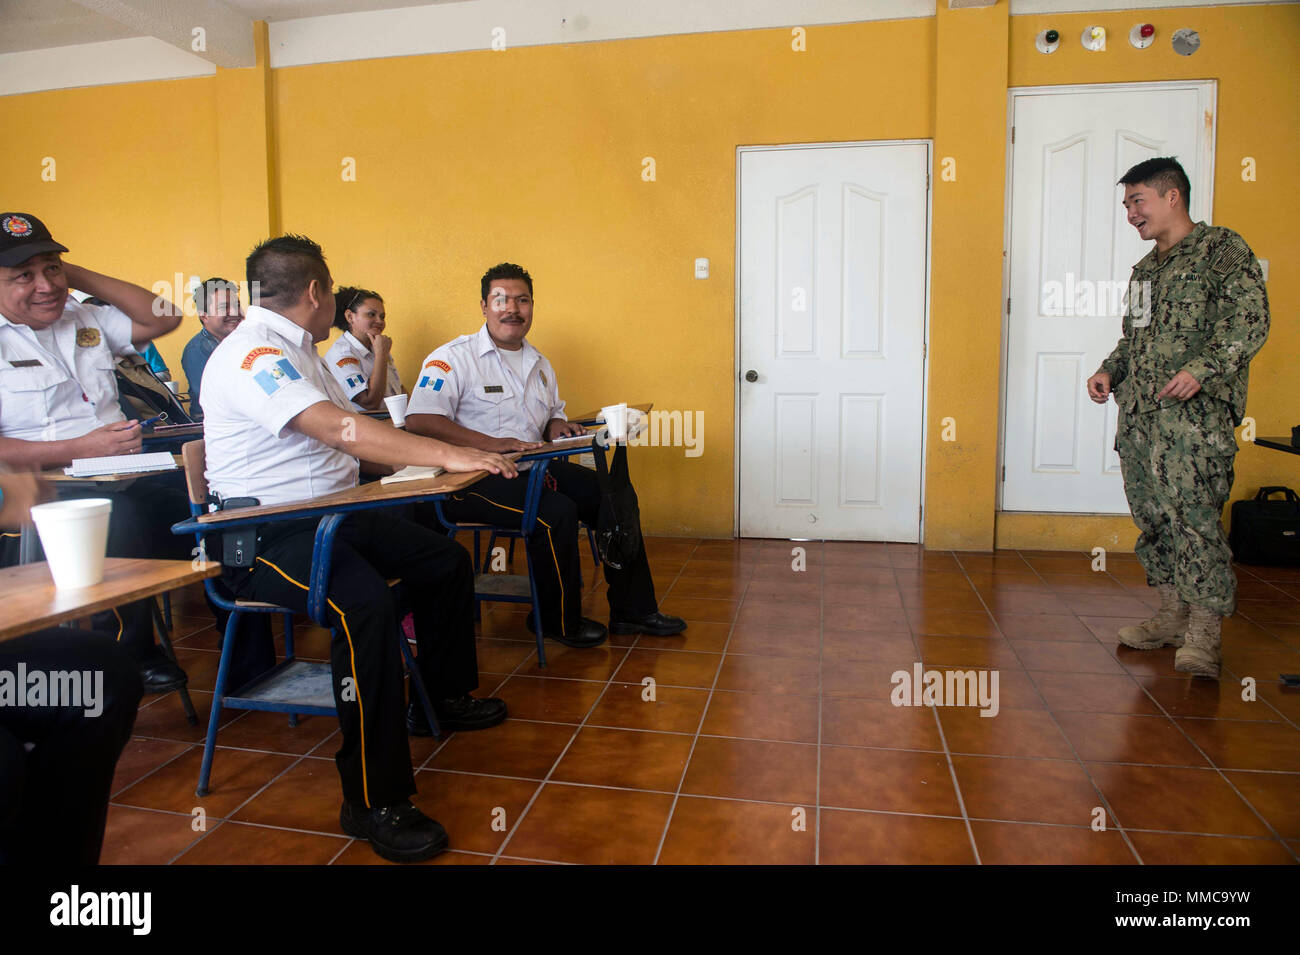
(373, 547)
(553, 548)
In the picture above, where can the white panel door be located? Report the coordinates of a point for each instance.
(832, 321)
(1071, 253)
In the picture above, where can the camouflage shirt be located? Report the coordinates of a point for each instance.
(1203, 310)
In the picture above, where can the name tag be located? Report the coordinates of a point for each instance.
(493, 390)
(26, 363)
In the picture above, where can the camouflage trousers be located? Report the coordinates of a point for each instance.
(1177, 467)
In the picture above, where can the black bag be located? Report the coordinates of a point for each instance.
(618, 521)
(1267, 532)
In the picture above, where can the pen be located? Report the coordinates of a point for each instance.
(150, 421)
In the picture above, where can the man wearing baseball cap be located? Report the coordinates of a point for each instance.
(59, 401)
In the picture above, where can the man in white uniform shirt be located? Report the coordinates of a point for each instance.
(493, 390)
(278, 428)
(59, 401)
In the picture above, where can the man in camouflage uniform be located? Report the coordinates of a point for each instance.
(1196, 316)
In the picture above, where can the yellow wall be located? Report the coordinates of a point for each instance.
(535, 155)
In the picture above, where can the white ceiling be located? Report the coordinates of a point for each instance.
(44, 24)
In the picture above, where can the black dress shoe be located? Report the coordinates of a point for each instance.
(590, 634)
(160, 675)
(654, 624)
(465, 713)
(399, 833)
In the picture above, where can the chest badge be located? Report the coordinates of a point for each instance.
(87, 337)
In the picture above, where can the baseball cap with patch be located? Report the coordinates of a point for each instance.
(23, 236)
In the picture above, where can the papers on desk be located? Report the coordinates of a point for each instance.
(410, 473)
(121, 464)
(565, 442)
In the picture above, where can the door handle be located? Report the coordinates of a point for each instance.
(751, 375)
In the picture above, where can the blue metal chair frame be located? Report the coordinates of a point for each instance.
(246, 697)
(527, 524)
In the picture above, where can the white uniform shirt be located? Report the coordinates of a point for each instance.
(352, 363)
(469, 382)
(259, 378)
(59, 384)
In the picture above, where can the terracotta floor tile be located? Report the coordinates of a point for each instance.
(669, 667)
(1007, 560)
(1062, 564)
(515, 748)
(591, 663)
(875, 838)
(1066, 657)
(1025, 790)
(141, 757)
(746, 769)
(898, 648)
(1027, 733)
(768, 716)
(762, 674)
(942, 598)
(1112, 738)
(234, 843)
(805, 642)
(549, 699)
(592, 826)
(700, 608)
(236, 775)
(879, 723)
(1092, 692)
(471, 807)
(1241, 745)
(785, 616)
(716, 588)
(863, 594)
(1158, 848)
(982, 652)
(162, 717)
(1143, 663)
(1275, 795)
(1114, 605)
(1175, 799)
(1009, 843)
(880, 617)
(272, 732)
(950, 623)
(1187, 696)
(308, 796)
(868, 679)
(699, 635)
(887, 779)
(718, 569)
(145, 837)
(672, 709)
(630, 759)
(1007, 582)
(1284, 699)
(1084, 583)
(1025, 602)
(360, 853)
(502, 656)
(725, 832)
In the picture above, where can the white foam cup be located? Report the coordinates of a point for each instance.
(615, 418)
(396, 405)
(74, 535)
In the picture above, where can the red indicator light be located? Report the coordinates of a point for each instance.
(1146, 31)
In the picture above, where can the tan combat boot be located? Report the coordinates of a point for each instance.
(1165, 629)
(1200, 654)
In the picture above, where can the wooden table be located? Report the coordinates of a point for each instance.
(56, 476)
(32, 602)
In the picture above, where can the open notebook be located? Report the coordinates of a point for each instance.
(410, 473)
(121, 464)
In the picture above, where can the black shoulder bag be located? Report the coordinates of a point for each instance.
(618, 522)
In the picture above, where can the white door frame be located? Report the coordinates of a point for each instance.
(1208, 90)
(925, 291)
